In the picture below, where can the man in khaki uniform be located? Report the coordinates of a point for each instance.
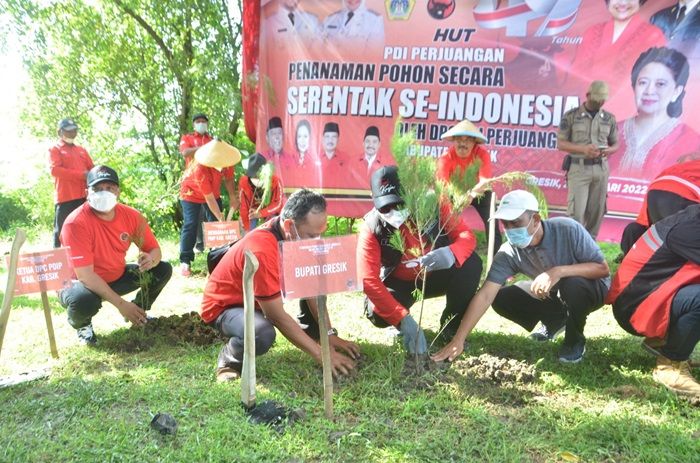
(589, 134)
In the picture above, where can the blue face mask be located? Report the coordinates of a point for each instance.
(519, 237)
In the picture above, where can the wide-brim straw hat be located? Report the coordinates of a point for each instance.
(217, 154)
(464, 129)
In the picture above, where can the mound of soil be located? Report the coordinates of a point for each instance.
(175, 329)
(497, 369)
(188, 328)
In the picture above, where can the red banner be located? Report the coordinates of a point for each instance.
(313, 268)
(43, 271)
(338, 74)
(220, 233)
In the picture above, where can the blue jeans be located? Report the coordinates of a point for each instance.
(82, 304)
(188, 233)
(684, 324)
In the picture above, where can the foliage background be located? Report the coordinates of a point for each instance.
(131, 73)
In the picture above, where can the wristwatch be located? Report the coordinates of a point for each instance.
(332, 332)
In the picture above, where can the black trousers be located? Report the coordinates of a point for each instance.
(573, 297)
(684, 324)
(231, 324)
(457, 284)
(482, 206)
(82, 304)
(660, 204)
(61, 212)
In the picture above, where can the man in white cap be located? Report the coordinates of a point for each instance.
(589, 134)
(570, 278)
(69, 165)
(357, 26)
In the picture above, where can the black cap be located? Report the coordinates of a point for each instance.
(274, 123)
(67, 124)
(385, 187)
(99, 174)
(255, 163)
(372, 130)
(200, 116)
(331, 127)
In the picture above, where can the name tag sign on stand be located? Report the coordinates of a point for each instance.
(318, 267)
(220, 233)
(312, 269)
(39, 272)
(43, 271)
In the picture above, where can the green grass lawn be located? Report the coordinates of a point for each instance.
(97, 403)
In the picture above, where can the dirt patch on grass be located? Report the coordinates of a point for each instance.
(175, 329)
(497, 369)
(626, 391)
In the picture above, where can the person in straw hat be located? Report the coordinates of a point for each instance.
(201, 188)
(468, 148)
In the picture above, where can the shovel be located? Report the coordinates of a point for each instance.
(268, 412)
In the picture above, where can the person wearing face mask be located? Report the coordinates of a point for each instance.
(589, 134)
(569, 278)
(99, 234)
(302, 217)
(68, 164)
(189, 143)
(389, 277)
(252, 192)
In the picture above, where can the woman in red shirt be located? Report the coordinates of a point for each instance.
(466, 150)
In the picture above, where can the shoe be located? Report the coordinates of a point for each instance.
(573, 353)
(185, 269)
(548, 333)
(228, 373)
(87, 336)
(676, 376)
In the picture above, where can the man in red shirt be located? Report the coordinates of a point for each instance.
(99, 234)
(389, 276)
(303, 217)
(189, 144)
(468, 149)
(252, 193)
(69, 164)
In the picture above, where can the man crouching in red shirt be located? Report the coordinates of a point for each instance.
(303, 217)
(99, 233)
(390, 277)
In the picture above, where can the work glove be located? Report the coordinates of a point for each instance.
(438, 259)
(413, 338)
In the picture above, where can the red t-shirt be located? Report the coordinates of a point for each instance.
(224, 287)
(104, 243)
(462, 244)
(68, 165)
(193, 140)
(449, 162)
(202, 180)
(250, 198)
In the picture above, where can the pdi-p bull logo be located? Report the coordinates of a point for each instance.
(515, 16)
(441, 9)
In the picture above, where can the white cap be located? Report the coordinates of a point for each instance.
(516, 202)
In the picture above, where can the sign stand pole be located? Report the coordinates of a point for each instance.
(492, 231)
(325, 357)
(17, 243)
(248, 373)
(49, 324)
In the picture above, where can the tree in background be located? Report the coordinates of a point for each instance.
(132, 73)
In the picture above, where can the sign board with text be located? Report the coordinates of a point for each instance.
(318, 267)
(221, 233)
(43, 271)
